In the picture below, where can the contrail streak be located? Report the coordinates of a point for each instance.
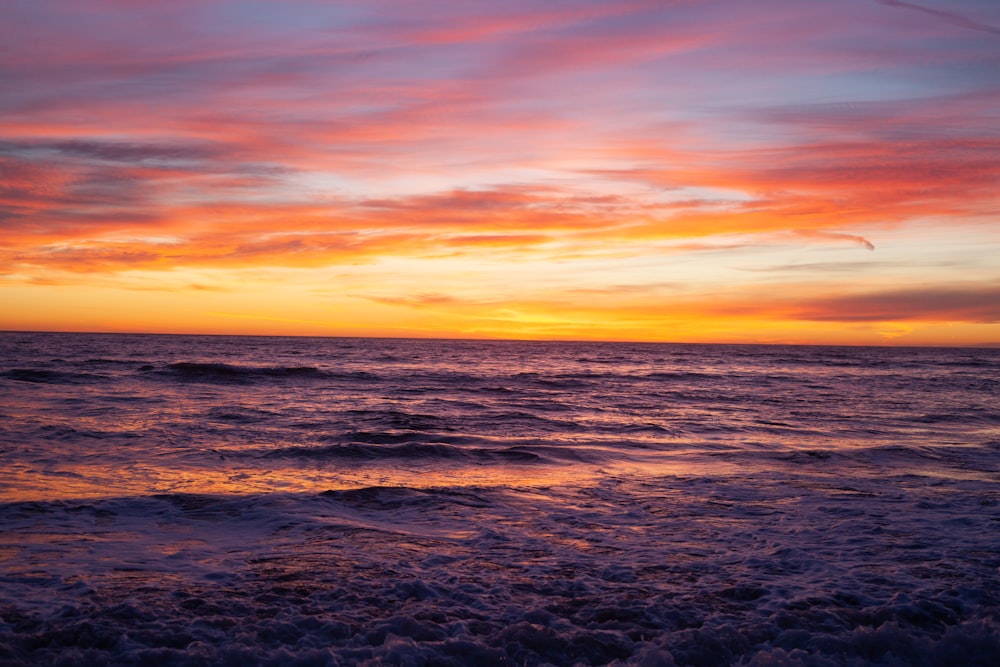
(950, 17)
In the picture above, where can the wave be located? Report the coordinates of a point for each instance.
(107, 361)
(215, 372)
(964, 417)
(44, 376)
(561, 381)
(400, 419)
(408, 450)
(226, 371)
(521, 419)
(679, 375)
(241, 415)
(393, 498)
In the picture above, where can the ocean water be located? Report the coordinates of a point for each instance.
(234, 500)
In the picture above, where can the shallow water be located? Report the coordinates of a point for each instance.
(198, 500)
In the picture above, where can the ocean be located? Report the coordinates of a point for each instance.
(204, 500)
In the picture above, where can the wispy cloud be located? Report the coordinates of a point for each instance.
(835, 236)
(584, 145)
(950, 17)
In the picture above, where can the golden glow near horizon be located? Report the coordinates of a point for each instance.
(735, 172)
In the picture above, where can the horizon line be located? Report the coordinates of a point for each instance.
(979, 346)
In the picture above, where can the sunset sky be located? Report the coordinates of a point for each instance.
(770, 171)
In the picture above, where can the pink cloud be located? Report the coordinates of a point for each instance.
(313, 133)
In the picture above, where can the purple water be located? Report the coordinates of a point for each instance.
(225, 500)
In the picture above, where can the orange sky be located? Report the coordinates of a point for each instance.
(778, 171)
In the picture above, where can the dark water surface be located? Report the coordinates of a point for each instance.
(234, 500)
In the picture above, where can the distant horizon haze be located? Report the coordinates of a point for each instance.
(484, 339)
